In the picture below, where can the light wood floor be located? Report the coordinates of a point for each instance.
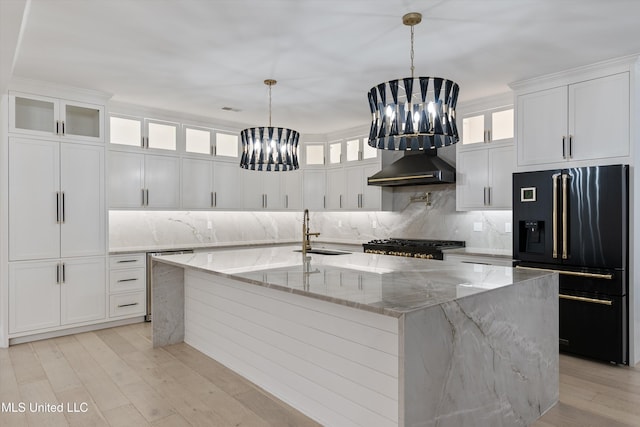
(125, 382)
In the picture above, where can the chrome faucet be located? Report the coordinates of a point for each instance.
(306, 242)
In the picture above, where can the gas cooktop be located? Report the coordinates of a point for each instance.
(416, 248)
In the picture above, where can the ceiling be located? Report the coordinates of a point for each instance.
(198, 56)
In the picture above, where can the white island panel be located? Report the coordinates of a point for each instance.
(334, 367)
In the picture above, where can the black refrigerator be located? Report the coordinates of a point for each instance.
(575, 221)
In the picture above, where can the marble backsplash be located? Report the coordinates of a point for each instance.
(133, 230)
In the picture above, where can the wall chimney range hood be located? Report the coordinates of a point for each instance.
(415, 168)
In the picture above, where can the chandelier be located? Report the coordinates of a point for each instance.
(413, 113)
(269, 148)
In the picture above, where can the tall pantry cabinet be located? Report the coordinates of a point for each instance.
(57, 213)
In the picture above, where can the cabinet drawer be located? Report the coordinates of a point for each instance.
(127, 280)
(129, 304)
(127, 261)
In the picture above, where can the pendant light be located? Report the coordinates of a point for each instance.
(413, 113)
(269, 148)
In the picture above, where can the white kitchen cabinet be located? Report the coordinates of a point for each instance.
(34, 295)
(143, 133)
(162, 181)
(292, 190)
(360, 195)
(314, 154)
(57, 204)
(143, 180)
(127, 285)
(262, 189)
(336, 188)
(314, 189)
(483, 178)
(197, 184)
(335, 153)
(45, 295)
(49, 117)
(83, 290)
(494, 125)
(582, 121)
(227, 183)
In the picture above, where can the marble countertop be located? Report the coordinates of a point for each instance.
(221, 245)
(383, 284)
(484, 252)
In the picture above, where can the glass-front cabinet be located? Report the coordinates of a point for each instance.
(495, 125)
(210, 142)
(138, 132)
(45, 116)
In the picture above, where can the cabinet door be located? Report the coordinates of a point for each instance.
(314, 189)
(126, 180)
(162, 181)
(253, 194)
(292, 190)
(336, 189)
(227, 185)
(83, 290)
(126, 131)
(542, 125)
(474, 129)
(34, 183)
(34, 296)
(354, 188)
(161, 135)
(271, 187)
(501, 167)
(197, 184)
(81, 121)
(599, 118)
(471, 179)
(371, 194)
(82, 183)
(32, 114)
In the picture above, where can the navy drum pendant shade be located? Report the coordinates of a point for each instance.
(269, 148)
(413, 113)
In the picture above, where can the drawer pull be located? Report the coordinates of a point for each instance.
(127, 305)
(583, 299)
(127, 260)
(127, 280)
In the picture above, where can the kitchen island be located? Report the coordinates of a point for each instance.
(369, 340)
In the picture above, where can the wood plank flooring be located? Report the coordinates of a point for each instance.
(125, 382)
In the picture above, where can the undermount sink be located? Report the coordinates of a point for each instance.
(324, 252)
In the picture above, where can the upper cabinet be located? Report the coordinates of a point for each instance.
(485, 157)
(314, 154)
(209, 142)
(143, 133)
(490, 126)
(143, 181)
(577, 118)
(49, 117)
(483, 180)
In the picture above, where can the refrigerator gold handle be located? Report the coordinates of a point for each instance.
(583, 299)
(569, 273)
(564, 216)
(554, 217)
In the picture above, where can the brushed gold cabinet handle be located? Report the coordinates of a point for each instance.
(584, 299)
